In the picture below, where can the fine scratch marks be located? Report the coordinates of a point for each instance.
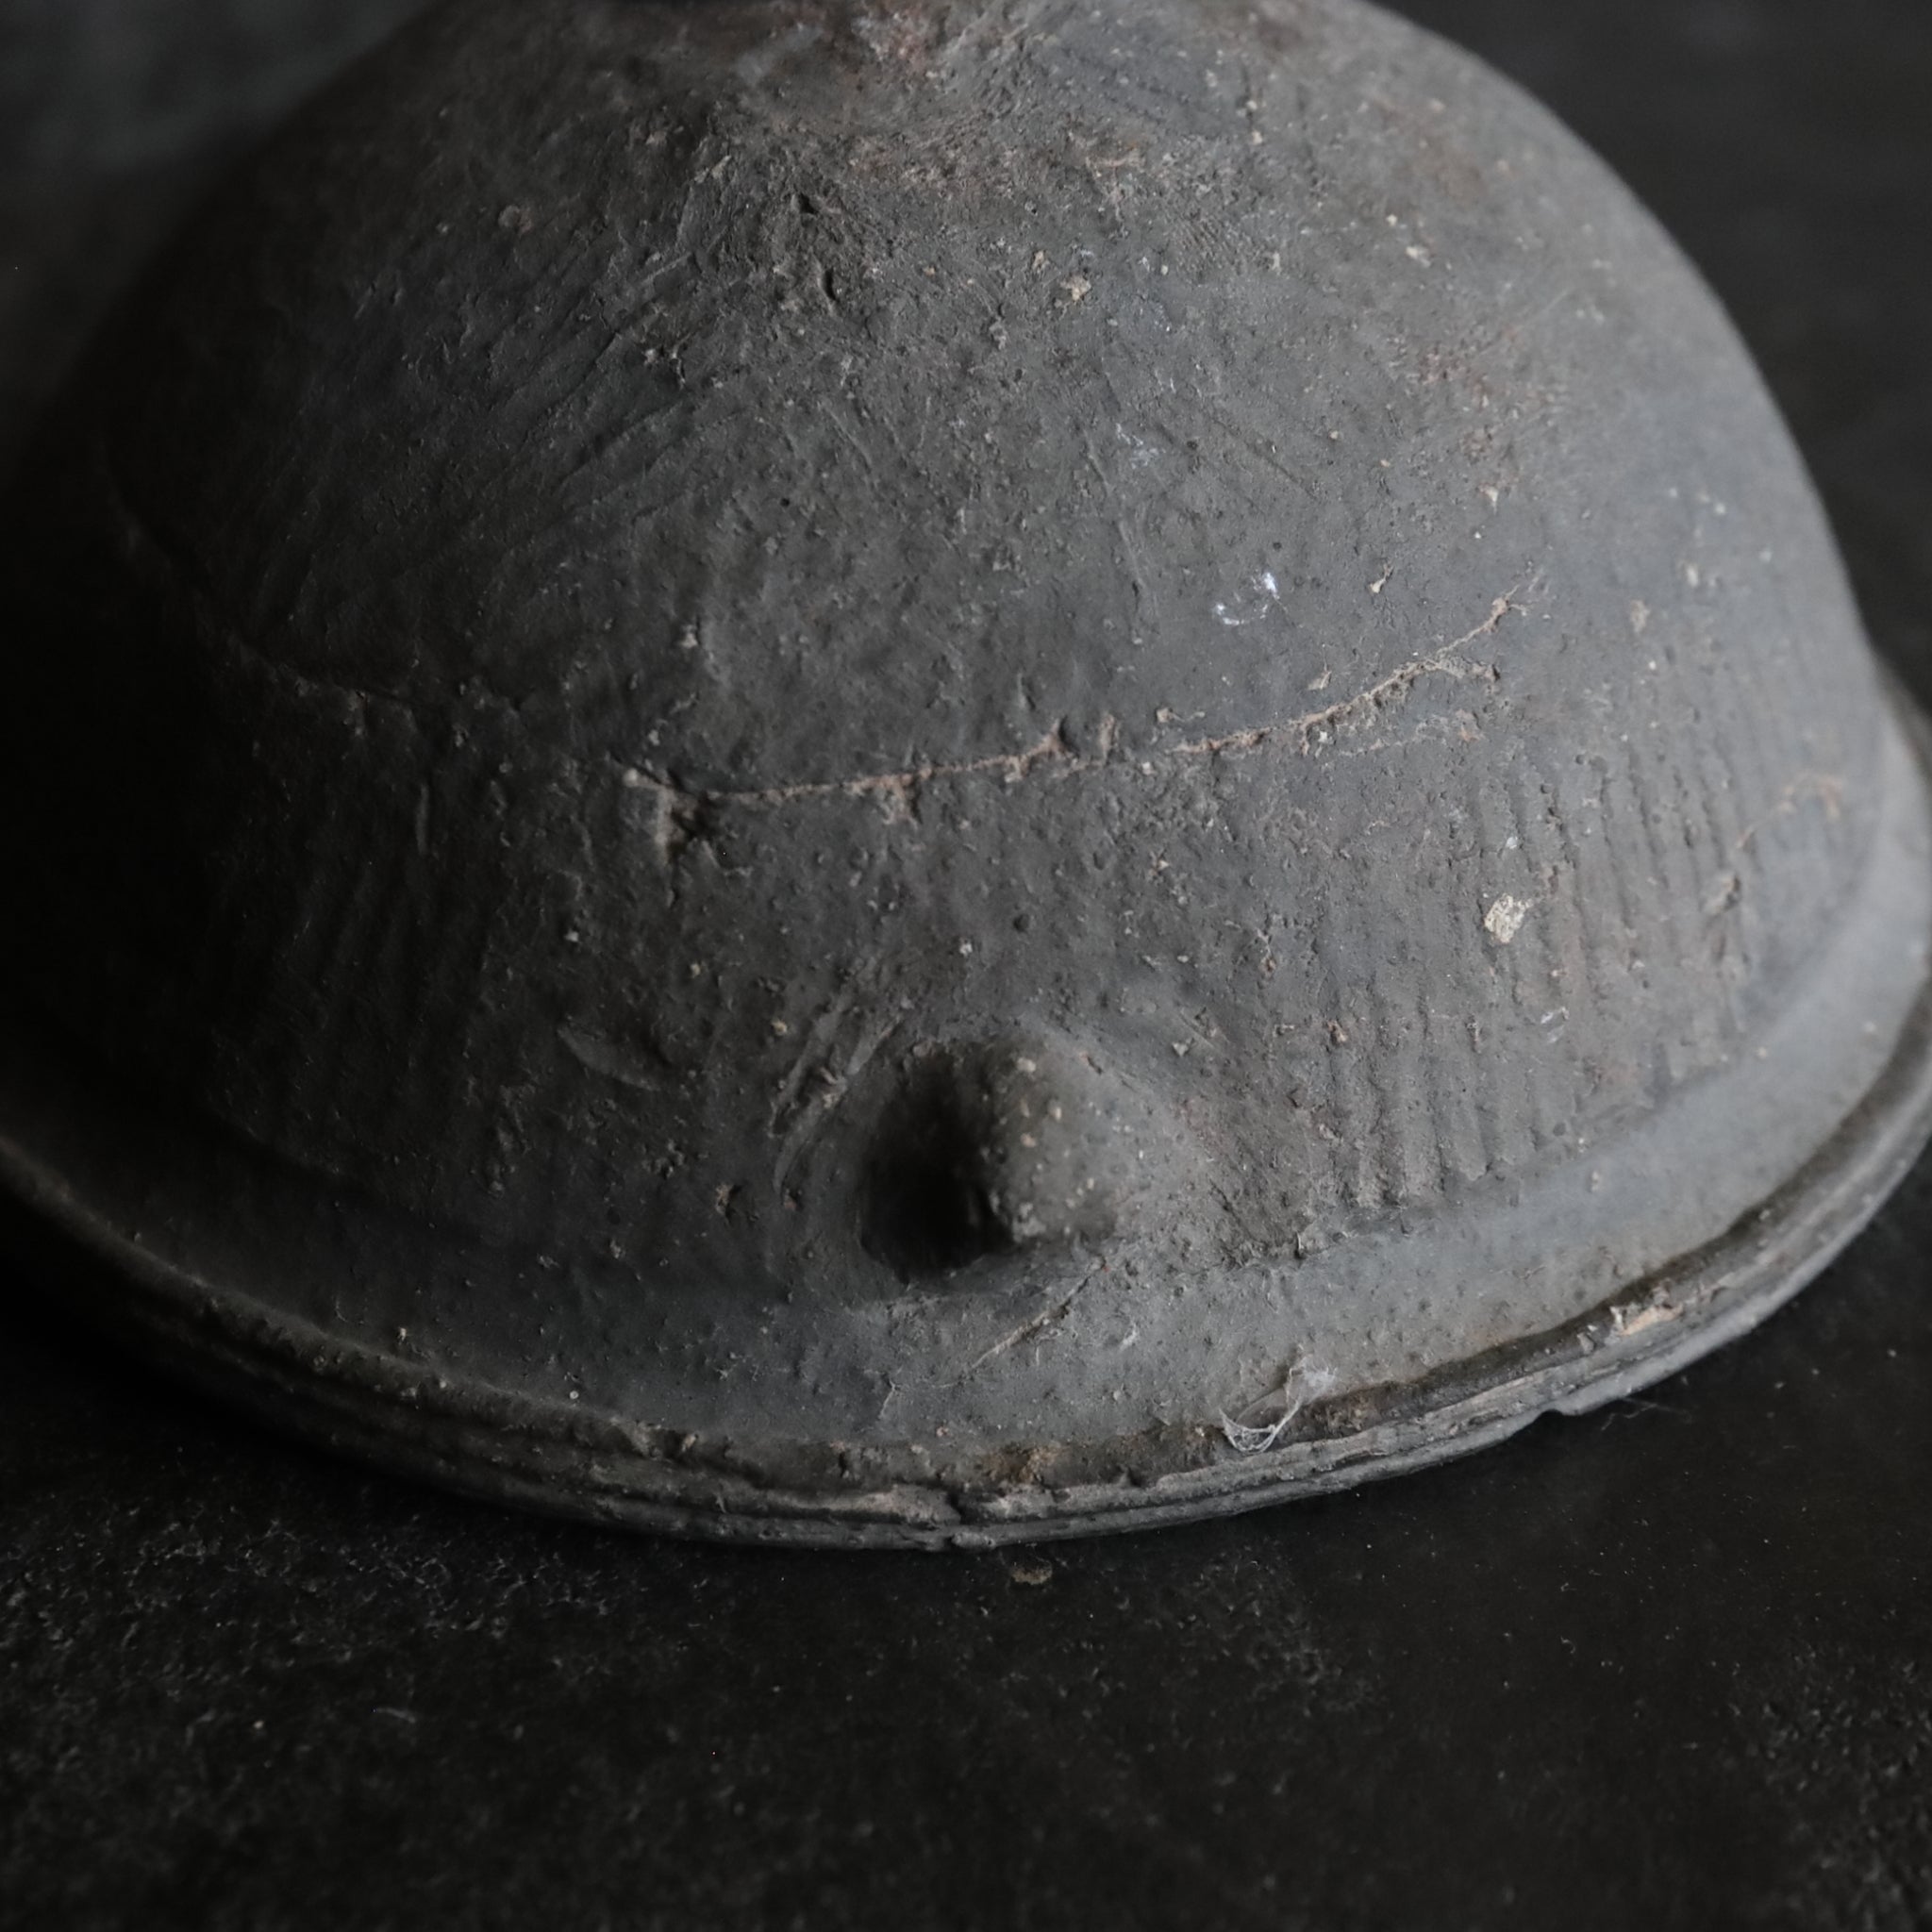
(1041, 1325)
(682, 811)
(614, 1061)
(823, 1029)
(804, 1121)
(817, 1083)
(817, 1062)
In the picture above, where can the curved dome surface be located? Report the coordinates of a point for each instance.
(926, 774)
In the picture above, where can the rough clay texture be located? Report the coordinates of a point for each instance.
(891, 705)
(1668, 1666)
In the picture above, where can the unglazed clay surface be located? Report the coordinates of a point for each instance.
(932, 758)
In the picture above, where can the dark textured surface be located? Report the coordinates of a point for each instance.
(113, 115)
(97, 86)
(1669, 1666)
(1367, 766)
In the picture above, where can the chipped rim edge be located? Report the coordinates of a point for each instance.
(539, 1455)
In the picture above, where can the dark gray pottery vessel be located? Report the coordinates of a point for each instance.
(942, 774)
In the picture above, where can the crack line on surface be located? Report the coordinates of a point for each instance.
(680, 807)
(1314, 727)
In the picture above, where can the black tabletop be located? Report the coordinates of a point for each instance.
(1667, 1665)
